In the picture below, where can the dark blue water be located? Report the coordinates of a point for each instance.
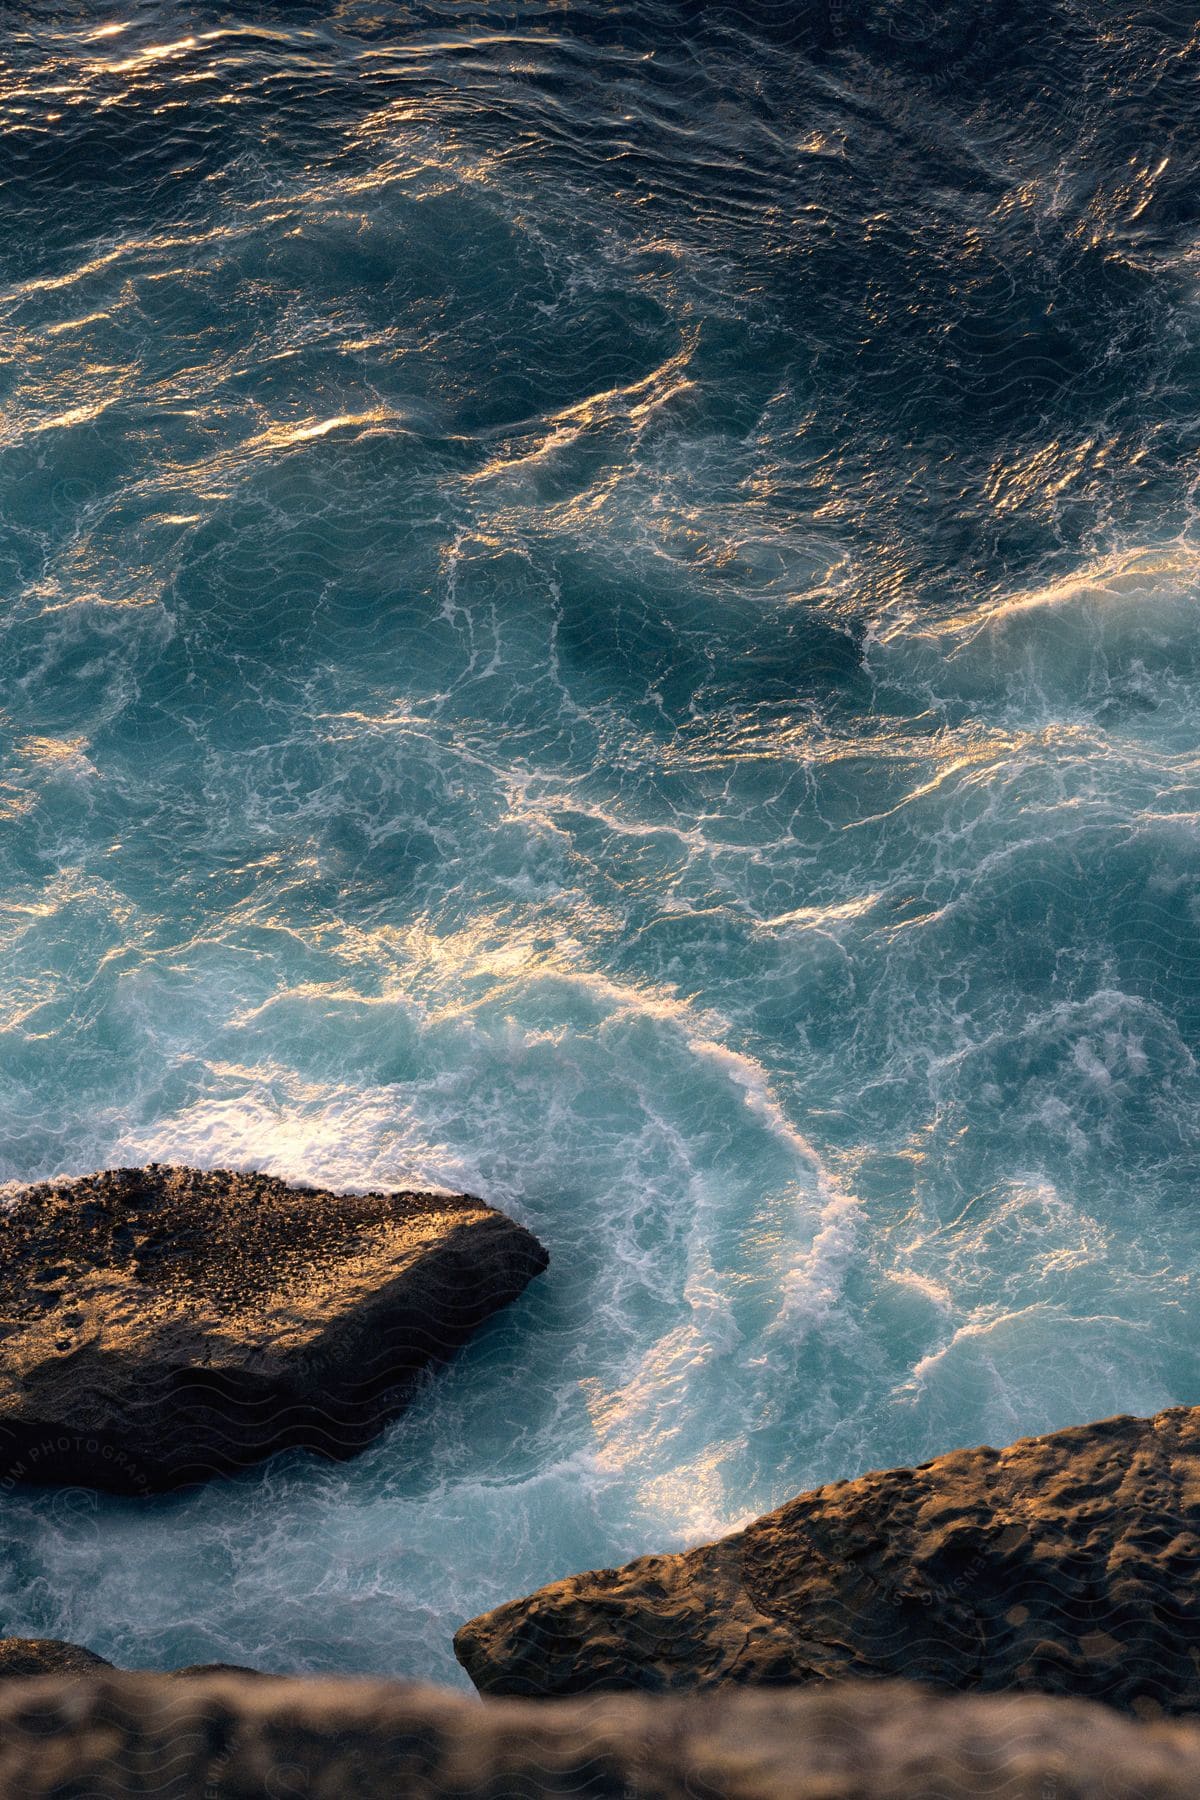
(599, 604)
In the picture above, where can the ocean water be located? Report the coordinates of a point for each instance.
(598, 604)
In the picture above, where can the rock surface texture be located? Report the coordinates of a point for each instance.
(110, 1737)
(164, 1325)
(23, 1657)
(1067, 1564)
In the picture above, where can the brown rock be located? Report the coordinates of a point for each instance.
(164, 1325)
(22, 1657)
(116, 1737)
(1066, 1564)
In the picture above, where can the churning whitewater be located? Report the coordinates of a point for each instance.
(599, 607)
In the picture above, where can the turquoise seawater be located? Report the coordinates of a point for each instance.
(599, 605)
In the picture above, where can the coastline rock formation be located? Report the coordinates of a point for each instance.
(21, 1658)
(1066, 1564)
(164, 1325)
(113, 1737)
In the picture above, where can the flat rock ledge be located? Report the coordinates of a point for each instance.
(1066, 1564)
(164, 1325)
(111, 1737)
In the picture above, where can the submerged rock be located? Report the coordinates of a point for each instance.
(194, 1670)
(164, 1325)
(1067, 1564)
(224, 1738)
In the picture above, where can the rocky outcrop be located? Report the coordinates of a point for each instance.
(1067, 1564)
(22, 1657)
(164, 1325)
(114, 1737)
